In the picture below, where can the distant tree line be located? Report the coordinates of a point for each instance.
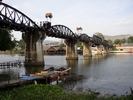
(116, 41)
(121, 41)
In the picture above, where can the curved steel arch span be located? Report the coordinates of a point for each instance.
(13, 19)
(61, 31)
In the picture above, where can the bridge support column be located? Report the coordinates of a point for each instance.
(106, 50)
(71, 49)
(87, 52)
(34, 48)
(99, 50)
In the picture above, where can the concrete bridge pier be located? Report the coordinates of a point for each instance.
(106, 50)
(34, 48)
(71, 49)
(99, 50)
(87, 52)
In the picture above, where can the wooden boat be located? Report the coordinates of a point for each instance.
(52, 74)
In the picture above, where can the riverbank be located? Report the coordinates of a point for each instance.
(50, 92)
(121, 52)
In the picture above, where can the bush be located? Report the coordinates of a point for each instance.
(48, 92)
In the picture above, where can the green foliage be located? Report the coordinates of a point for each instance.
(110, 41)
(21, 44)
(49, 92)
(117, 41)
(62, 45)
(123, 40)
(6, 42)
(79, 44)
(130, 39)
(99, 35)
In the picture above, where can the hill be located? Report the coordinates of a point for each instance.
(117, 37)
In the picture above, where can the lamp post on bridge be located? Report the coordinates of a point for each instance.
(49, 15)
(79, 30)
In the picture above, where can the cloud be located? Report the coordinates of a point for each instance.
(124, 22)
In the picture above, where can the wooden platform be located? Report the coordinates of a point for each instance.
(10, 64)
(39, 77)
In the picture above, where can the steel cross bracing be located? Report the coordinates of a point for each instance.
(85, 38)
(97, 40)
(13, 19)
(61, 31)
(105, 43)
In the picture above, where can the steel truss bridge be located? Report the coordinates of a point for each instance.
(13, 19)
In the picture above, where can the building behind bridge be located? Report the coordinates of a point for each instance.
(55, 48)
(125, 48)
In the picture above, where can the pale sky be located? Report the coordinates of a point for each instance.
(109, 17)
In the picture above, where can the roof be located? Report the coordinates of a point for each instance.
(49, 48)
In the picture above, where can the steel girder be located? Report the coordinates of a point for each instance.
(97, 40)
(85, 38)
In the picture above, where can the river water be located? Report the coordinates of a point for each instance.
(107, 74)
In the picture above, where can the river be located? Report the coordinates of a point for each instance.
(107, 74)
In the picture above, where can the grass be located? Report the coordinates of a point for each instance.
(49, 92)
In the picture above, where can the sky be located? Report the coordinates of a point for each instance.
(109, 17)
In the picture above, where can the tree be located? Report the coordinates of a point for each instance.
(128, 41)
(79, 44)
(110, 41)
(123, 40)
(117, 41)
(6, 42)
(21, 44)
(99, 35)
(131, 39)
(62, 45)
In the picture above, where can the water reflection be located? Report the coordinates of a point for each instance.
(9, 74)
(87, 62)
(72, 63)
(98, 58)
(33, 69)
(105, 73)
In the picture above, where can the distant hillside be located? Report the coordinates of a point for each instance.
(117, 37)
